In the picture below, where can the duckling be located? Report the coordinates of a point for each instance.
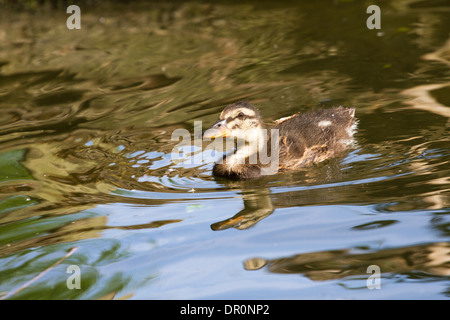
(299, 140)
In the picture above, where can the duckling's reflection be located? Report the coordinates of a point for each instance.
(257, 206)
(259, 202)
(432, 259)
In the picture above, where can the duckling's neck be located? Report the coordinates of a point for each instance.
(247, 149)
(248, 161)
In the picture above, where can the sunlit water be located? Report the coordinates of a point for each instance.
(87, 157)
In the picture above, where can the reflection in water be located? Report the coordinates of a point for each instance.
(431, 259)
(87, 228)
(257, 206)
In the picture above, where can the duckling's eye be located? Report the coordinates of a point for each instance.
(241, 115)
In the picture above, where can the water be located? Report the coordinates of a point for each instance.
(87, 162)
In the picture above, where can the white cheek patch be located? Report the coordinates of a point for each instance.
(324, 123)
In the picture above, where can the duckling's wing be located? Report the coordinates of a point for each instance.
(314, 154)
(295, 155)
(291, 152)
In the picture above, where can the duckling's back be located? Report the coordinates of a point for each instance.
(314, 136)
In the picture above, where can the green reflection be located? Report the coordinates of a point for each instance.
(11, 167)
(16, 202)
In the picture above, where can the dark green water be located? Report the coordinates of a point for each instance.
(86, 155)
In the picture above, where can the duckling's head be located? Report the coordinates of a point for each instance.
(240, 120)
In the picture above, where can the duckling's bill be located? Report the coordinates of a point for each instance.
(219, 129)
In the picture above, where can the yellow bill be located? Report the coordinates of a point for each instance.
(219, 129)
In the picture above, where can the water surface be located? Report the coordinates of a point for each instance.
(87, 162)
